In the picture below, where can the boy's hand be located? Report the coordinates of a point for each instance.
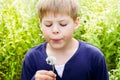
(45, 75)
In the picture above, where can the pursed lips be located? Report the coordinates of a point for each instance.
(56, 40)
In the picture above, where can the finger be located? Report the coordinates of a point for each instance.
(43, 77)
(43, 72)
(40, 74)
(54, 78)
(52, 74)
(46, 77)
(49, 73)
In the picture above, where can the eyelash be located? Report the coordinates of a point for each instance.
(63, 25)
(60, 25)
(48, 25)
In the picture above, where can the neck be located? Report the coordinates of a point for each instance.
(73, 45)
(64, 54)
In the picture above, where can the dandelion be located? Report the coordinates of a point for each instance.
(51, 61)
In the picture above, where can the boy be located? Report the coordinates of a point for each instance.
(75, 59)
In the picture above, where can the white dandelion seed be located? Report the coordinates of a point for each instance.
(51, 60)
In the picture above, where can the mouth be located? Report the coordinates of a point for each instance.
(56, 40)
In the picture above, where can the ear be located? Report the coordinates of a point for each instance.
(77, 22)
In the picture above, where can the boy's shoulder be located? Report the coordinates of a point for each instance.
(90, 49)
(40, 48)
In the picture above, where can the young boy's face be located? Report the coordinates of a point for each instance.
(58, 30)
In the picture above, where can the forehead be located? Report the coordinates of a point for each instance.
(58, 16)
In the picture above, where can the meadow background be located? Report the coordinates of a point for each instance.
(19, 31)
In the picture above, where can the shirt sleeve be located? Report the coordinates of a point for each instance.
(28, 69)
(98, 63)
(101, 71)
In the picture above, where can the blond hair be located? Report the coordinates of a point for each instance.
(69, 7)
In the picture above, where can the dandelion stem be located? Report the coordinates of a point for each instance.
(53, 68)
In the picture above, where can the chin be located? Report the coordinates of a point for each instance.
(57, 46)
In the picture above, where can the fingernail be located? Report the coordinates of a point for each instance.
(55, 75)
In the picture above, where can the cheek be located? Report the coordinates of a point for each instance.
(44, 30)
(68, 31)
(46, 36)
(45, 33)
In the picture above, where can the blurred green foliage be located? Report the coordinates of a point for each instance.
(19, 31)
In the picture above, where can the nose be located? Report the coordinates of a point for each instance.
(55, 30)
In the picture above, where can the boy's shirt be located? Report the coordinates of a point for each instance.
(88, 63)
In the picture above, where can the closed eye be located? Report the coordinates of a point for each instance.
(48, 25)
(63, 25)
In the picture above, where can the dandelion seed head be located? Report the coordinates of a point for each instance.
(51, 60)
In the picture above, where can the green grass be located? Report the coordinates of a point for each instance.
(100, 26)
(19, 31)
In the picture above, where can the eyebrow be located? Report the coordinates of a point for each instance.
(49, 20)
(62, 20)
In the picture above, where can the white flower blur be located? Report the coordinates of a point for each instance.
(51, 60)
